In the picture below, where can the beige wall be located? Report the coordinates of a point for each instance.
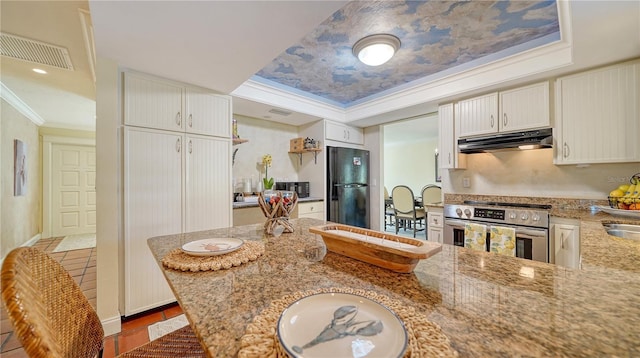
(20, 215)
(411, 164)
(532, 173)
(265, 137)
(60, 132)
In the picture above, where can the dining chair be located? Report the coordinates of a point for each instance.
(405, 208)
(431, 194)
(389, 213)
(53, 318)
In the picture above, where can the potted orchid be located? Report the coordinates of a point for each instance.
(268, 182)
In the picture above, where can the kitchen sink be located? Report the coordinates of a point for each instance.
(624, 231)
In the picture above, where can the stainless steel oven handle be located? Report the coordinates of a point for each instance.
(521, 232)
(455, 223)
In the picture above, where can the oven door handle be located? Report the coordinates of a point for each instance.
(455, 223)
(531, 234)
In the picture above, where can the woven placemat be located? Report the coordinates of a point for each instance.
(425, 337)
(178, 260)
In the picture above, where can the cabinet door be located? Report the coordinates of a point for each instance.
(355, 135)
(313, 210)
(152, 103)
(567, 245)
(435, 234)
(524, 108)
(597, 116)
(478, 115)
(448, 156)
(152, 207)
(208, 195)
(207, 113)
(343, 133)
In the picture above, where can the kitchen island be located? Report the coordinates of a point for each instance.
(488, 305)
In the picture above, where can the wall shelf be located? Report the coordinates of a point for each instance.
(312, 150)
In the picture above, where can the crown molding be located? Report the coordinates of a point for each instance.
(255, 91)
(19, 105)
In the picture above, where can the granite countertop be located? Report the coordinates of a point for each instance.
(487, 304)
(242, 204)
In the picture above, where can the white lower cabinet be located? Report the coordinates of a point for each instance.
(565, 242)
(312, 210)
(173, 183)
(434, 225)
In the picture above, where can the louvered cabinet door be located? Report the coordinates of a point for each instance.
(478, 115)
(152, 103)
(152, 207)
(207, 113)
(208, 195)
(598, 116)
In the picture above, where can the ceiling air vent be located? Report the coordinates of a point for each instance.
(35, 51)
(280, 112)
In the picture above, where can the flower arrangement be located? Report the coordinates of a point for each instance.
(268, 182)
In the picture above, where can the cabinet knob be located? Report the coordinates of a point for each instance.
(178, 119)
(492, 121)
(504, 120)
(178, 145)
(191, 120)
(565, 150)
(190, 146)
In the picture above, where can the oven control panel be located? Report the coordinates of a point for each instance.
(488, 213)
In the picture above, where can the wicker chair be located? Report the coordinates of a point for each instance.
(53, 318)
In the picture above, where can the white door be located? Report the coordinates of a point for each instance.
(73, 190)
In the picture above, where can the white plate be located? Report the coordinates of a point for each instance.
(621, 212)
(212, 247)
(368, 328)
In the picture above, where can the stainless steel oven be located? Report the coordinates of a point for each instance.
(531, 224)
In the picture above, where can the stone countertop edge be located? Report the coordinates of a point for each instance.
(240, 204)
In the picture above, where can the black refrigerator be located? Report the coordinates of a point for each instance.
(348, 186)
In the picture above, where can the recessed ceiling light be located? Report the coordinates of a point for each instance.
(374, 50)
(37, 70)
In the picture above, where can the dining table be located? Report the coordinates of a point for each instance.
(483, 304)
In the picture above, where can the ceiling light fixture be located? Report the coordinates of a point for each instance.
(374, 50)
(37, 70)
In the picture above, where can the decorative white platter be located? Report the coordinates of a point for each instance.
(212, 247)
(340, 325)
(621, 212)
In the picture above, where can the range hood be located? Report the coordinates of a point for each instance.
(539, 138)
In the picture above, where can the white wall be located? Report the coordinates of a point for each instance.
(373, 142)
(264, 137)
(532, 173)
(411, 164)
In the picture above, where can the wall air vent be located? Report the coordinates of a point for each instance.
(280, 112)
(34, 51)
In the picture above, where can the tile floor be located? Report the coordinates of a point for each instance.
(81, 265)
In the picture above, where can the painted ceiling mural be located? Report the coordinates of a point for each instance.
(438, 38)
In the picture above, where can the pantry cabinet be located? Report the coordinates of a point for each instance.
(343, 133)
(155, 103)
(598, 116)
(176, 176)
(565, 239)
(448, 156)
(435, 225)
(518, 109)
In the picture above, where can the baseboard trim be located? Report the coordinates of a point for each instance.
(111, 325)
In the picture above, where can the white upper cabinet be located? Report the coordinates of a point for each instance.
(161, 104)
(152, 103)
(478, 115)
(343, 133)
(448, 156)
(525, 108)
(207, 113)
(522, 108)
(598, 116)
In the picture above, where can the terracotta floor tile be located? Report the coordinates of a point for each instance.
(109, 347)
(90, 270)
(142, 321)
(90, 293)
(88, 285)
(16, 353)
(75, 260)
(11, 343)
(76, 272)
(131, 339)
(3, 337)
(78, 253)
(5, 326)
(70, 267)
(172, 311)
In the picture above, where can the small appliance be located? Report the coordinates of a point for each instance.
(300, 187)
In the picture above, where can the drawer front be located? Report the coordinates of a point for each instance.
(319, 216)
(434, 219)
(312, 207)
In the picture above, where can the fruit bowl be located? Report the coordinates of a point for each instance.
(624, 203)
